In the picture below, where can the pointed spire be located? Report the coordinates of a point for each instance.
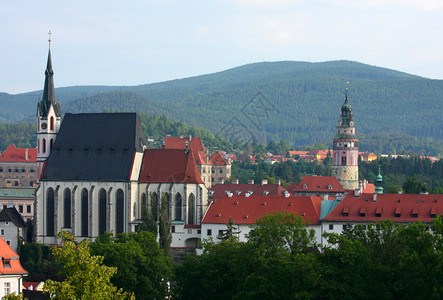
(48, 89)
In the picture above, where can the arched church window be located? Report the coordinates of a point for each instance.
(119, 211)
(143, 200)
(191, 209)
(178, 207)
(67, 208)
(51, 124)
(50, 210)
(84, 212)
(343, 160)
(51, 145)
(44, 146)
(102, 211)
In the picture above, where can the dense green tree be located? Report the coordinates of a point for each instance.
(86, 276)
(412, 185)
(142, 267)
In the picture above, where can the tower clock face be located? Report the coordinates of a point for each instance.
(44, 126)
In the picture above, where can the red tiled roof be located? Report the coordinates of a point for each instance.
(298, 152)
(219, 159)
(169, 165)
(397, 207)
(13, 154)
(317, 184)
(7, 254)
(194, 143)
(201, 158)
(257, 189)
(246, 210)
(370, 188)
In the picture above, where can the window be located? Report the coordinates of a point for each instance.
(9, 170)
(204, 170)
(1, 169)
(5, 206)
(221, 171)
(20, 209)
(213, 170)
(331, 226)
(50, 210)
(345, 227)
(23, 171)
(7, 288)
(199, 231)
(84, 212)
(7, 223)
(9, 243)
(102, 199)
(209, 232)
(178, 207)
(172, 229)
(51, 124)
(67, 208)
(212, 179)
(28, 209)
(220, 232)
(191, 209)
(119, 211)
(189, 231)
(343, 161)
(2, 231)
(31, 183)
(44, 145)
(32, 170)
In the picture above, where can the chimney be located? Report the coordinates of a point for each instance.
(247, 195)
(181, 136)
(186, 151)
(278, 182)
(364, 184)
(325, 197)
(374, 197)
(357, 193)
(26, 154)
(235, 181)
(286, 194)
(190, 137)
(250, 181)
(264, 181)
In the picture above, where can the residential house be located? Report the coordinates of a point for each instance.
(20, 198)
(11, 271)
(12, 227)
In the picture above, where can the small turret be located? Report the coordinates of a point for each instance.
(379, 183)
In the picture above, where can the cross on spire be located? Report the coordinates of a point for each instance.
(49, 40)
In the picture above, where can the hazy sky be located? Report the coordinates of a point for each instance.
(99, 42)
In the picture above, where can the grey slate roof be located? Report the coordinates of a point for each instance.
(10, 214)
(48, 92)
(95, 147)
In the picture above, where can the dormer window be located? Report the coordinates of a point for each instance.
(415, 213)
(362, 211)
(330, 187)
(378, 212)
(433, 212)
(345, 211)
(398, 212)
(6, 263)
(305, 186)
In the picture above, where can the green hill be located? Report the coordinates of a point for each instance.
(296, 101)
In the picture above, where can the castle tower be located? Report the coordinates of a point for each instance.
(345, 149)
(48, 116)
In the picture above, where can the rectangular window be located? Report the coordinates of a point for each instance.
(5, 206)
(221, 171)
(345, 227)
(7, 288)
(28, 209)
(331, 226)
(209, 232)
(2, 231)
(220, 232)
(189, 231)
(20, 209)
(172, 229)
(23, 171)
(204, 170)
(199, 231)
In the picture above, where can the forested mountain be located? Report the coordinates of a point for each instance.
(295, 101)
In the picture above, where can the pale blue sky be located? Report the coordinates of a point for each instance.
(136, 42)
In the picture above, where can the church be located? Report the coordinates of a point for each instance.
(96, 175)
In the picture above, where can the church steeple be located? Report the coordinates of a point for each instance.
(48, 116)
(48, 91)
